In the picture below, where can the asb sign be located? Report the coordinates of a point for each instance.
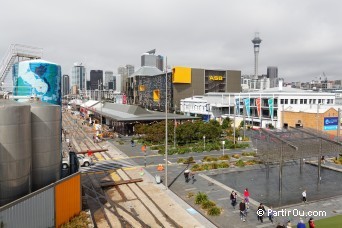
(330, 123)
(216, 78)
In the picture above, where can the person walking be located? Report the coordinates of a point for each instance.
(242, 208)
(270, 214)
(246, 196)
(304, 196)
(289, 225)
(311, 223)
(261, 211)
(233, 198)
(301, 224)
(186, 175)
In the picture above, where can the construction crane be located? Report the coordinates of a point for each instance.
(17, 52)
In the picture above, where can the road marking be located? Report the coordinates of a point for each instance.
(190, 189)
(225, 198)
(265, 225)
(168, 161)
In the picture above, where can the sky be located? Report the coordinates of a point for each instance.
(302, 38)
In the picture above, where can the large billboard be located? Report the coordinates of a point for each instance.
(215, 81)
(330, 123)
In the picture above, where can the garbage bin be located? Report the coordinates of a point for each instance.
(157, 179)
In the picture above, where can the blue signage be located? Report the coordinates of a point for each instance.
(330, 123)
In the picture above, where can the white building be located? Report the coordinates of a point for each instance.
(78, 76)
(218, 105)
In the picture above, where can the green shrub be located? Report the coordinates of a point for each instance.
(224, 157)
(223, 165)
(200, 197)
(240, 163)
(208, 204)
(80, 220)
(249, 154)
(181, 160)
(196, 167)
(214, 211)
(214, 165)
(236, 156)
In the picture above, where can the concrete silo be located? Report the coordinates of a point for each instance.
(46, 143)
(15, 150)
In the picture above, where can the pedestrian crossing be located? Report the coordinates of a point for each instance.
(106, 165)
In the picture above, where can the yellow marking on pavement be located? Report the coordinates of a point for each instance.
(115, 176)
(99, 156)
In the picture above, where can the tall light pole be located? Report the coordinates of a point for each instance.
(223, 142)
(166, 110)
(174, 129)
(204, 142)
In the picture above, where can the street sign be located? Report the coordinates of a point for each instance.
(330, 123)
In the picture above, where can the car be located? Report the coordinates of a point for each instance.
(82, 160)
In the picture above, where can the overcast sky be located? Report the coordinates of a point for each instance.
(303, 38)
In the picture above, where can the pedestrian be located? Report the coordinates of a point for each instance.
(186, 175)
(246, 196)
(243, 208)
(301, 224)
(323, 160)
(192, 175)
(304, 196)
(270, 214)
(311, 223)
(289, 225)
(279, 225)
(233, 198)
(132, 143)
(261, 211)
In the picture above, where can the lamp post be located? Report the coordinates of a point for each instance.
(223, 142)
(166, 109)
(203, 142)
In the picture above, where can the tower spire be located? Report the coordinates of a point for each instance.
(256, 42)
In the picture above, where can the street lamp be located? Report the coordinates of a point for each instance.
(166, 109)
(223, 142)
(204, 142)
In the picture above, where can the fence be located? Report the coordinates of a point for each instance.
(50, 206)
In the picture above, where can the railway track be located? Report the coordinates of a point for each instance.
(125, 205)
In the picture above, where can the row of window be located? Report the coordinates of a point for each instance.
(306, 101)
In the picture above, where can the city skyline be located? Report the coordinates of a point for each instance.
(300, 38)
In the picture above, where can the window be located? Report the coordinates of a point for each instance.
(305, 101)
(286, 101)
(319, 101)
(301, 101)
(281, 101)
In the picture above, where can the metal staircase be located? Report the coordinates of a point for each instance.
(17, 51)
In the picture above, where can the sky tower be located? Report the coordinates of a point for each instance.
(256, 41)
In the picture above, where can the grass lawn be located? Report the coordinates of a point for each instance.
(331, 222)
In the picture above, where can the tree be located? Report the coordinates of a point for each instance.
(226, 123)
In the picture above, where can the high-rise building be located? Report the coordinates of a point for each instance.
(96, 79)
(124, 72)
(88, 85)
(78, 76)
(65, 84)
(150, 59)
(108, 76)
(272, 74)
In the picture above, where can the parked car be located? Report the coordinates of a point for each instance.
(82, 160)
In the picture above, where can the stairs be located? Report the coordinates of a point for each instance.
(20, 51)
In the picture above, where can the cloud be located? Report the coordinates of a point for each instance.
(300, 37)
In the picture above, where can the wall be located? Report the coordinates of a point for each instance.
(48, 207)
(309, 120)
(233, 81)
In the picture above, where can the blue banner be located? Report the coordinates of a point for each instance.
(237, 106)
(330, 123)
(247, 102)
(271, 107)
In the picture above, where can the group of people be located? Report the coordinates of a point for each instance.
(261, 211)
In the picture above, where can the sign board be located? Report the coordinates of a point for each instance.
(330, 123)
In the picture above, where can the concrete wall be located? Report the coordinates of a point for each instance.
(233, 81)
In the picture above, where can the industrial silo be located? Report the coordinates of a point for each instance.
(37, 78)
(15, 150)
(46, 143)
